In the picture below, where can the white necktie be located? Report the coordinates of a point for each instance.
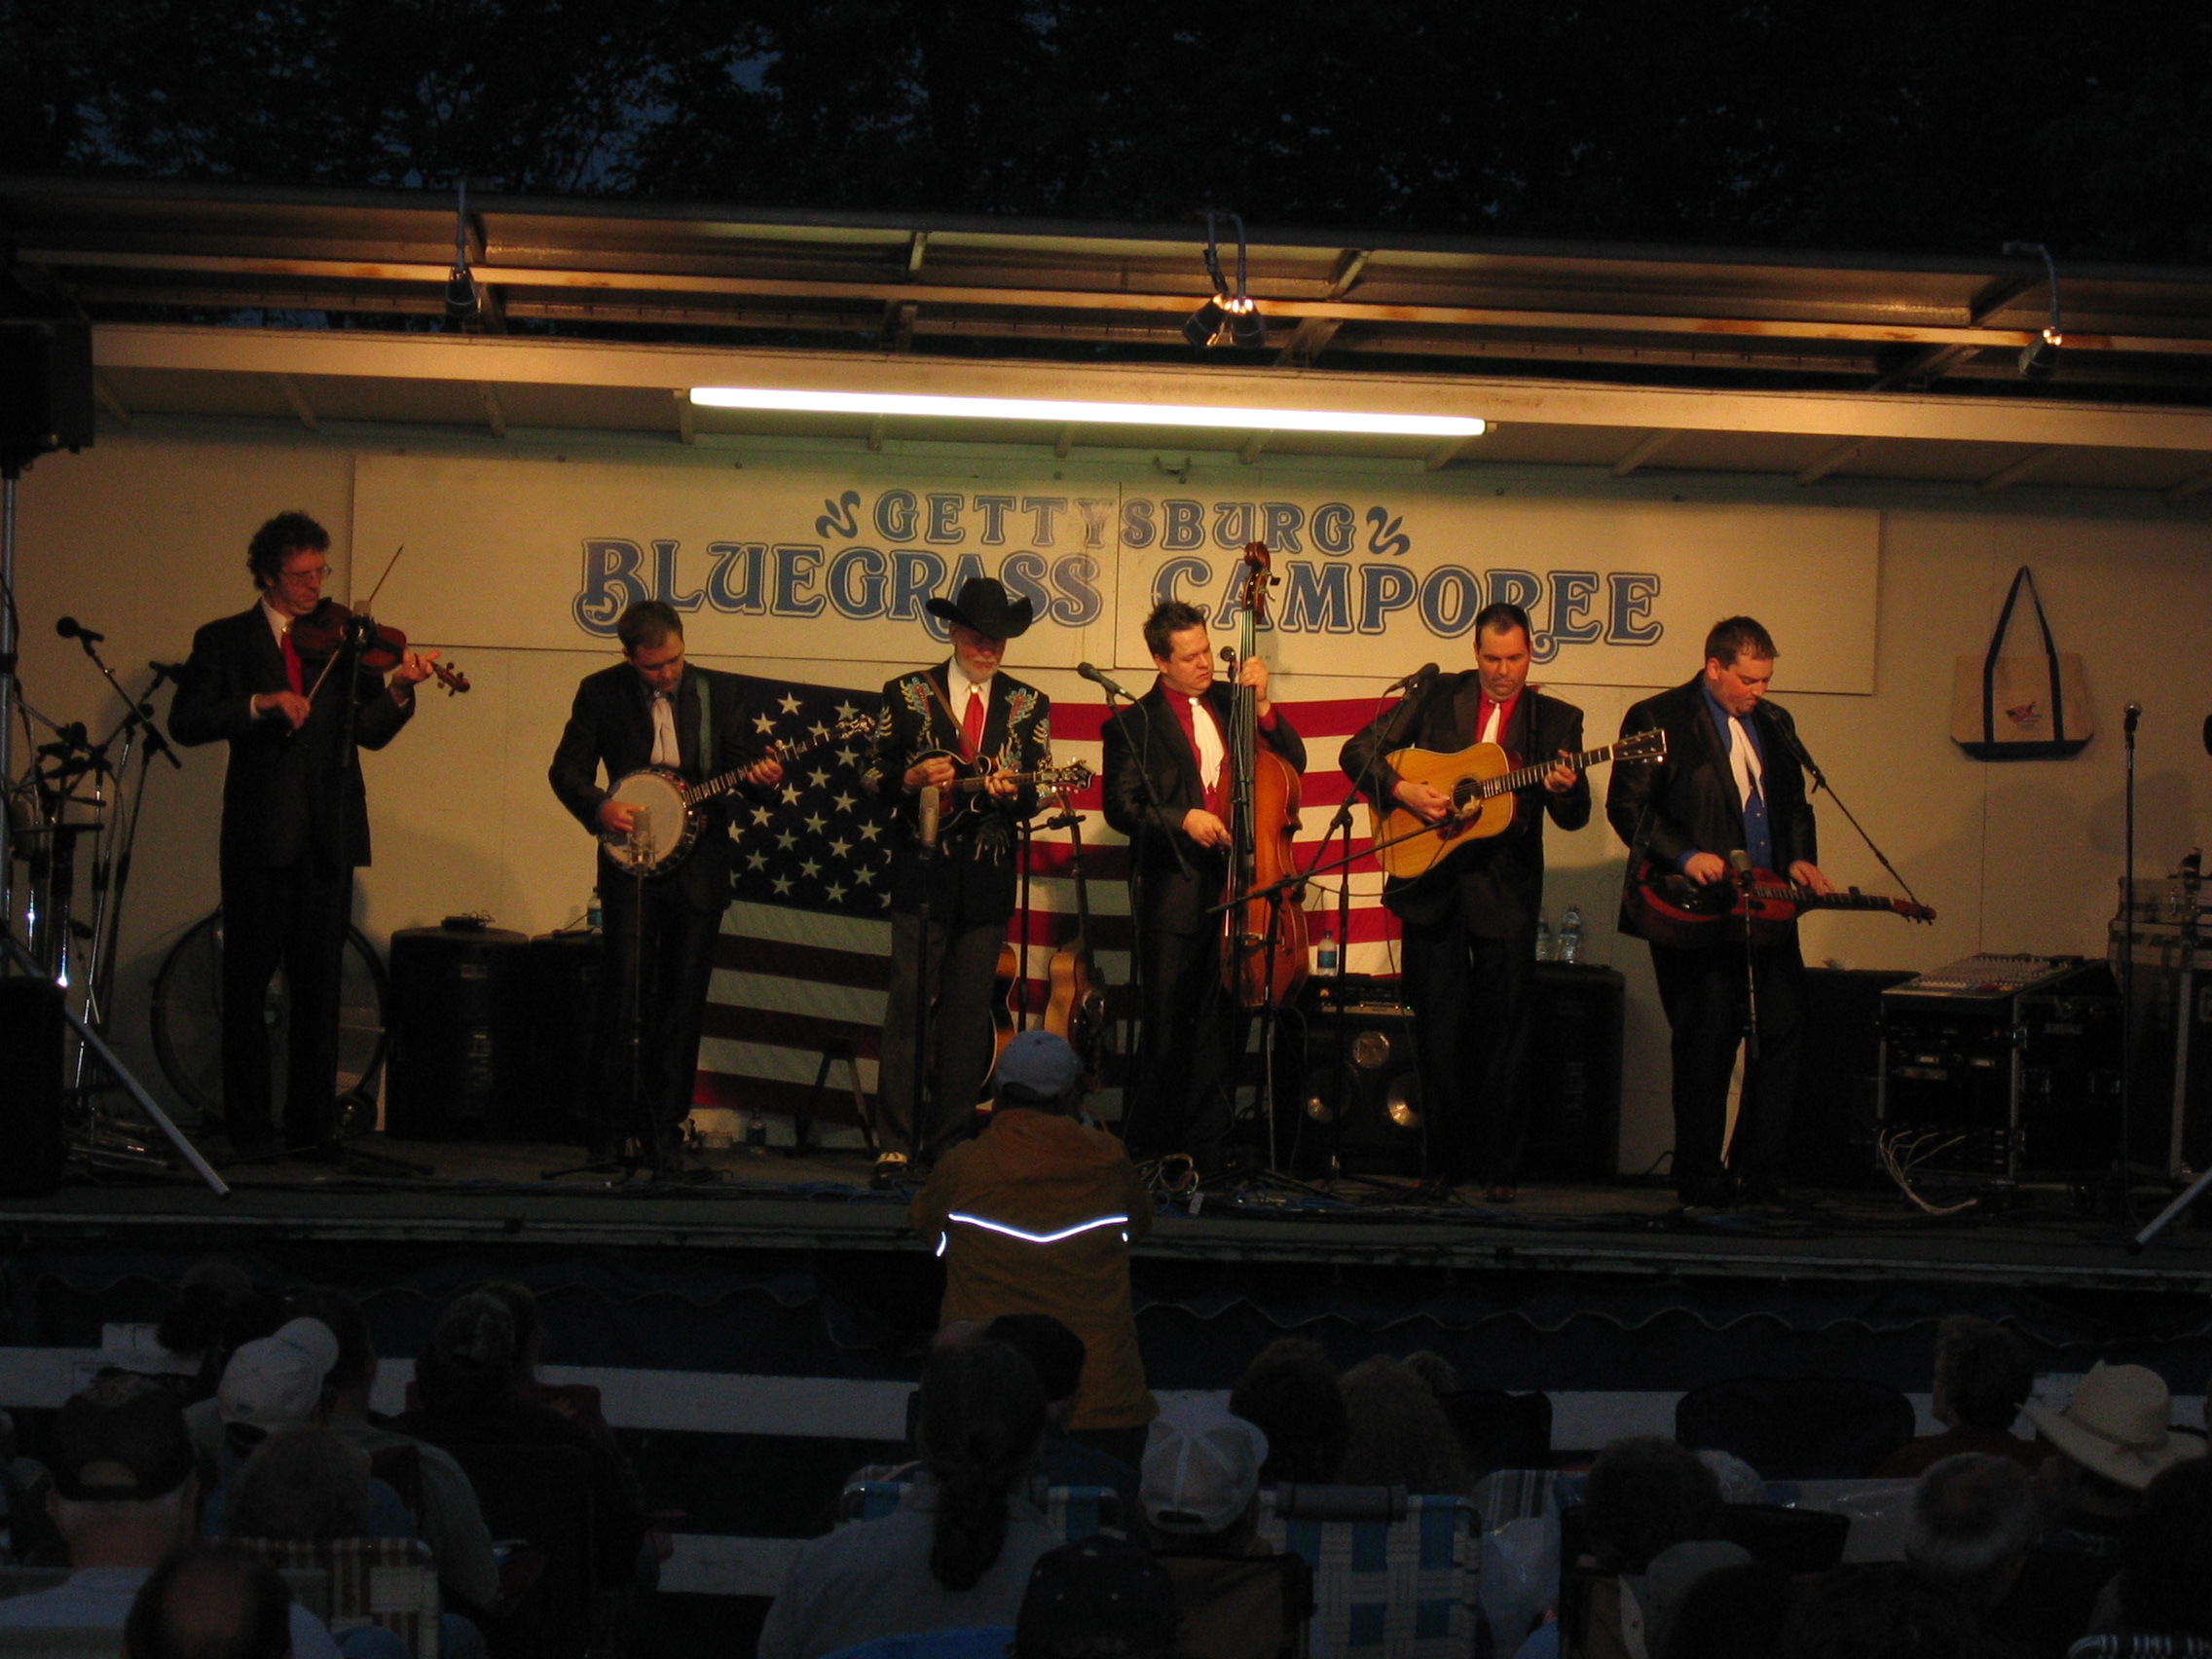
(667, 752)
(1490, 725)
(1208, 734)
(1743, 762)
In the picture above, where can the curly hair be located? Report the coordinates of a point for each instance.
(1646, 1494)
(1169, 618)
(1290, 1392)
(982, 1417)
(1983, 1371)
(287, 533)
(1399, 1435)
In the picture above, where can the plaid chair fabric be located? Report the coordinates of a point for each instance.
(1394, 1579)
(391, 1582)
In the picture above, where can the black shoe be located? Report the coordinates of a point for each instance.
(891, 1168)
(1706, 1193)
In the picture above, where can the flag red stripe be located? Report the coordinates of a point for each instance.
(817, 963)
(739, 1024)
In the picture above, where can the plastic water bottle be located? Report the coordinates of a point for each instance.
(1543, 940)
(1325, 954)
(1570, 934)
(594, 916)
(757, 1134)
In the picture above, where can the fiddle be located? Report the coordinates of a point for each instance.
(322, 633)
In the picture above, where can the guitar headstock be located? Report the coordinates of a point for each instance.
(1911, 911)
(1071, 779)
(1643, 745)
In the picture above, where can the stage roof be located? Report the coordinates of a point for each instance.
(326, 308)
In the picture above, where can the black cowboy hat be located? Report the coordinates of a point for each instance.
(982, 605)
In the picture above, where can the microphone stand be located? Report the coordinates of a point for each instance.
(1788, 727)
(2127, 975)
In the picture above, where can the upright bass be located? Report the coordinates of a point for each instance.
(1264, 956)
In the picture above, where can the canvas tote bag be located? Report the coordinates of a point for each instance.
(2030, 707)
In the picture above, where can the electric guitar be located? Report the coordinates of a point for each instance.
(1481, 780)
(1670, 908)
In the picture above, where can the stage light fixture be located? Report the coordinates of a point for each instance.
(463, 303)
(2039, 358)
(1063, 411)
(1232, 306)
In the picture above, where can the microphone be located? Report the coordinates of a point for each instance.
(2134, 715)
(1099, 677)
(1420, 676)
(930, 809)
(1739, 862)
(167, 670)
(72, 739)
(69, 628)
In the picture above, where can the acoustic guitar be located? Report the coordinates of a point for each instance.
(1670, 908)
(1076, 1007)
(1481, 781)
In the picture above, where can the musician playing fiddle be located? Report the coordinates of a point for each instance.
(1470, 922)
(656, 709)
(1176, 737)
(1730, 782)
(964, 720)
(295, 827)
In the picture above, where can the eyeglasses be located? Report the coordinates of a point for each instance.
(309, 578)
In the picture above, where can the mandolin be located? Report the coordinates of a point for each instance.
(1482, 781)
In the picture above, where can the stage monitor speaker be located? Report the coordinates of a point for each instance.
(46, 387)
(565, 978)
(1360, 1108)
(1574, 1074)
(1840, 1077)
(460, 1027)
(33, 1056)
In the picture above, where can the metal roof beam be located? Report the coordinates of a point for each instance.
(1647, 448)
(495, 414)
(2035, 461)
(298, 400)
(1843, 455)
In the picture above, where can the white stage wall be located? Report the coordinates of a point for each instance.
(143, 538)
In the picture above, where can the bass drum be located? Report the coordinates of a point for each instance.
(187, 1023)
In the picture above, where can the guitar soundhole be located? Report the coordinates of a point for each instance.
(1465, 790)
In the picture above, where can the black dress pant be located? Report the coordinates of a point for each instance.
(291, 917)
(1179, 1100)
(660, 953)
(957, 961)
(1472, 999)
(1704, 993)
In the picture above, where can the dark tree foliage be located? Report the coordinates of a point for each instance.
(1893, 125)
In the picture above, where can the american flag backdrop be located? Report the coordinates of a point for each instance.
(804, 954)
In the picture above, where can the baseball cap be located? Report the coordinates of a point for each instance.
(121, 1439)
(1039, 1065)
(1101, 1586)
(1200, 1471)
(277, 1380)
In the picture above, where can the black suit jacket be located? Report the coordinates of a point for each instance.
(1495, 885)
(1687, 803)
(975, 873)
(1146, 741)
(612, 725)
(286, 794)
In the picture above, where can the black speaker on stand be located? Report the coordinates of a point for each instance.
(1840, 1077)
(34, 1057)
(460, 1032)
(566, 971)
(46, 385)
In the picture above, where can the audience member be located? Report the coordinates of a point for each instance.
(1983, 1376)
(1238, 1599)
(956, 1553)
(207, 1601)
(1732, 1612)
(1398, 1434)
(467, 1378)
(448, 1514)
(1738, 1481)
(2164, 1587)
(1057, 1353)
(1972, 1521)
(218, 1306)
(2112, 1441)
(1882, 1612)
(300, 1485)
(1035, 1216)
(1100, 1599)
(1439, 1374)
(24, 1487)
(1289, 1392)
(126, 1487)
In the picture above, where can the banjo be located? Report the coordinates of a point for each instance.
(668, 820)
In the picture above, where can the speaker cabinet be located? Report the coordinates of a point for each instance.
(46, 387)
(566, 972)
(1360, 1108)
(33, 1054)
(1574, 1074)
(1840, 1077)
(461, 1023)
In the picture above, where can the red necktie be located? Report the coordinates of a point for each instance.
(972, 724)
(293, 670)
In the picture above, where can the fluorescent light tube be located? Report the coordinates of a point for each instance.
(1064, 411)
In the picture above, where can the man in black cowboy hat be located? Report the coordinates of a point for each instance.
(964, 717)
